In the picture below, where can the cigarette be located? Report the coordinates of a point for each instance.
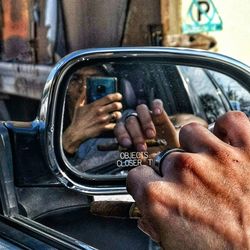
(115, 209)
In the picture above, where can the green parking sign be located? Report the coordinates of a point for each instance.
(202, 16)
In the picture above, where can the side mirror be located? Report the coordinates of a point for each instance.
(200, 83)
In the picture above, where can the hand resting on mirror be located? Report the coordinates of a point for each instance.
(202, 201)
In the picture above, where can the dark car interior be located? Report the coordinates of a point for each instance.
(61, 209)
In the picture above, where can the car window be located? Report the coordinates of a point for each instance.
(203, 92)
(237, 95)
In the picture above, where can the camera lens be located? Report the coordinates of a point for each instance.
(100, 89)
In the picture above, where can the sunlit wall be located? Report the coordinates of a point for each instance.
(234, 40)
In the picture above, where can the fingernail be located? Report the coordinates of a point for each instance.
(150, 133)
(126, 143)
(141, 147)
(157, 111)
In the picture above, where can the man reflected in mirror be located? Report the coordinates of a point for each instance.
(87, 120)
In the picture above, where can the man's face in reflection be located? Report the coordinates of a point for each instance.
(77, 85)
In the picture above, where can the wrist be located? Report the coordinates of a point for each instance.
(71, 141)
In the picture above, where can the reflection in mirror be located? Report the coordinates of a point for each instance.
(238, 96)
(101, 95)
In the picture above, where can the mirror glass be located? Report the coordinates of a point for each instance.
(93, 107)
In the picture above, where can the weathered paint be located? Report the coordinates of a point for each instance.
(16, 29)
(23, 79)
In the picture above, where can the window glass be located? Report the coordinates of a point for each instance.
(237, 95)
(203, 91)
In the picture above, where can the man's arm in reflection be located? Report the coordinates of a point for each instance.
(91, 120)
(202, 199)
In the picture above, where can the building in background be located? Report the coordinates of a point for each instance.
(234, 39)
(35, 34)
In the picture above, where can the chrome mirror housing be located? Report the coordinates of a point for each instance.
(119, 63)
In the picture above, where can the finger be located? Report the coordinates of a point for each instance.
(153, 195)
(148, 188)
(146, 121)
(135, 131)
(137, 181)
(183, 119)
(109, 127)
(122, 135)
(195, 138)
(115, 97)
(109, 118)
(234, 129)
(114, 106)
(179, 167)
(189, 169)
(164, 127)
(116, 116)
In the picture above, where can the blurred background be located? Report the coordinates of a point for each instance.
(35, 34)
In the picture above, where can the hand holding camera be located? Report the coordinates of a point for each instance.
(96, 111)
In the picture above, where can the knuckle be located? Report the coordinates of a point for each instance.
(186, 129)
(102, 119)
(182, 160)
(232, 116)
(131, 121)
(116, 106)
(109, 97)
(99, 111)
(221, 153)
(147, 122)
(114, 97)
(118, 115)
(117, 96)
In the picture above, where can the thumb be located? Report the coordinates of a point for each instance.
(164, 127)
